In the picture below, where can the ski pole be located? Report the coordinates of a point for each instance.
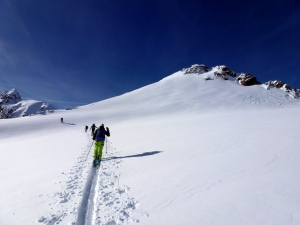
(106, 144)
(89, 150)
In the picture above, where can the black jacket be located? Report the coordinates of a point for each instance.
(101, 128)
(93, 127)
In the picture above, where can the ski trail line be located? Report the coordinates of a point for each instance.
(86, 207)
(64, 204)
(104, 200)
(93, 196)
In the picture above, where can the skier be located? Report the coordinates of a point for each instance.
(86, 128)
(93, 127)
(99, 137)
(61, 120)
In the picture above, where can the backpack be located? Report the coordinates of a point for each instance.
(100, 136)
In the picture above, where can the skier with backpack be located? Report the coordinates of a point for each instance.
(99, 138)
(93, 127)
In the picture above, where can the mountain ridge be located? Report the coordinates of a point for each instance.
(12, 105)
(218, 88)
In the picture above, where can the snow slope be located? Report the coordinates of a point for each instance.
(184, 150)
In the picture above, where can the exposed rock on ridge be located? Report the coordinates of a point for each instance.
(244, 79)
(247, 79)
(295, 93)
(223, 71)
(10, 97)
(198, 69)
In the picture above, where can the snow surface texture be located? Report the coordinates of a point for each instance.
(184, 150)
(12, 106)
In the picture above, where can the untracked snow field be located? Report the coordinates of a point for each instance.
(182, 151)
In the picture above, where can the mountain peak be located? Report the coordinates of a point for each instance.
(12, 105)
(10, 97)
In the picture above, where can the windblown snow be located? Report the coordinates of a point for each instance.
(192, 148)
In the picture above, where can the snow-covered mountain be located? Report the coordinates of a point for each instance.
(189, 149)
(13, 106)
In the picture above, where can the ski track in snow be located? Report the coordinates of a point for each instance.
(103, 201)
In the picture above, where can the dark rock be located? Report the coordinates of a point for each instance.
(247, 79)
(278, 83)
(198, 69)
(224, 70)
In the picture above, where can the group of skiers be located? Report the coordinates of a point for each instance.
(93, 127)
(98, 135)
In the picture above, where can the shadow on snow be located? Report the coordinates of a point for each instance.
(68, 123)
(133, 156)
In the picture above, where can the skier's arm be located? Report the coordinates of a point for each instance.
(107, 132)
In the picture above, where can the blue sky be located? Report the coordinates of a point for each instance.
(70, 53)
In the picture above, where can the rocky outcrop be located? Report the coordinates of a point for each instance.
(6, 98)
(198, 69)
(244, 79)
(282, 86)
(247, 79)
(277, 83)
(10, 97)
(223, 71)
